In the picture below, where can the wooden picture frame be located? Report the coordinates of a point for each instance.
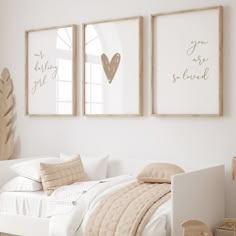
(199, 93)
(114, 59)
(51, 71)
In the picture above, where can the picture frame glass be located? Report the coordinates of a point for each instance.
(50, 80)
(187, 63)
(112, 67)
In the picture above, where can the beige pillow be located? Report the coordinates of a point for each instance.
(159, 173)
(59, 174)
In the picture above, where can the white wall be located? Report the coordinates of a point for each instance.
(193, 142)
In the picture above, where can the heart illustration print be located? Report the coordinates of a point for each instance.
(110, 67)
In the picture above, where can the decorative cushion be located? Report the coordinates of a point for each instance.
(21, 184)
(159, 173)
(31, 169)
(56, 175)
(94, 166)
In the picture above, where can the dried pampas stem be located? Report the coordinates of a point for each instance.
(6, 115)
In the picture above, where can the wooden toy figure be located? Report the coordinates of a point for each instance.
(196, 228)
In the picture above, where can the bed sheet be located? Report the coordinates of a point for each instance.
(32, 204)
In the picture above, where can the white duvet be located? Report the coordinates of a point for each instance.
(71, 206)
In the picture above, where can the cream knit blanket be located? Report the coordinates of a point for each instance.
(126, 212)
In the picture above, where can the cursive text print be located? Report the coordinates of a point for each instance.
(187, 75)
(194, 45)
(44, 71)
(200, 70)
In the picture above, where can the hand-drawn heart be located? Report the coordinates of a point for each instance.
(110, 68)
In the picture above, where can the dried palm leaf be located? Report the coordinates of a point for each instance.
(6, 115)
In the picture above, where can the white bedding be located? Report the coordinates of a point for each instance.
(70, 207)
(33, 204)
(70, 211)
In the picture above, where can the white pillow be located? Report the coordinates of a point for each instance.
(94, 166)
(21, 184)
(31, 169)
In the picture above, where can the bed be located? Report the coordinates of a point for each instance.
(207, 184)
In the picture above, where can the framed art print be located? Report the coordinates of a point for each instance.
(51, 71)
(113, 67)
(187, 62)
